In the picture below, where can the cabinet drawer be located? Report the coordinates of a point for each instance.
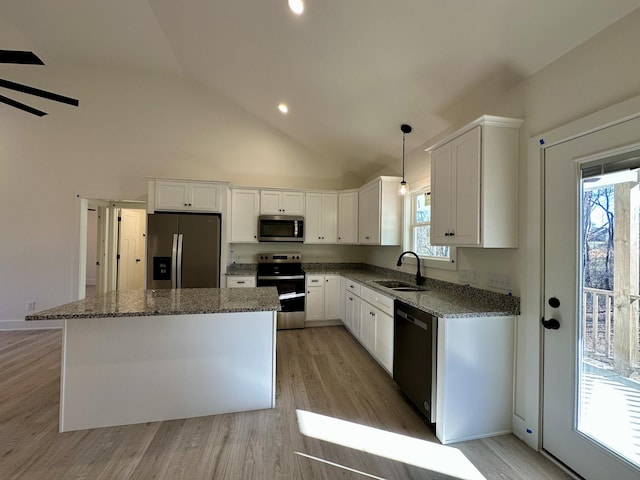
(376, 299)
(241, 282)
(353, 287)
(315, 280)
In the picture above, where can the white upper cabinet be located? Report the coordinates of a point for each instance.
(474, 178)
(177, 195)
(348, 217)
(281, 202)
(321, 218)
(245, 208)
(379, 212)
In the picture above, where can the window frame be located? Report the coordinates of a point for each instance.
(408, 236)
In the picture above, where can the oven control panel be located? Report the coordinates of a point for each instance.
(280, 257)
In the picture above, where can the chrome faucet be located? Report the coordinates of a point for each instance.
(419, 278)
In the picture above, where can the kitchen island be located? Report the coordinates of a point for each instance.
(140, 356)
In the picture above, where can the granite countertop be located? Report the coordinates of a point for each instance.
(132, 303)
(442, 299)
(237, 269)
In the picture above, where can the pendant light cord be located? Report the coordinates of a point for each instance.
(403, 136)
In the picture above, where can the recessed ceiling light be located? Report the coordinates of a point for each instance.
(296, 6)
(283, 108)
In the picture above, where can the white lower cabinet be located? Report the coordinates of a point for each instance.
(322, 298)
(368, 326)
(352, 313)
(474, 377)
(384, 340)
(369, 317)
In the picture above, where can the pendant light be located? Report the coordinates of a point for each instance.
(405, 129)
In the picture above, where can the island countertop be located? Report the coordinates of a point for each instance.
(131, 303)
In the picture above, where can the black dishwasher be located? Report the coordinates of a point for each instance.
(414, 356)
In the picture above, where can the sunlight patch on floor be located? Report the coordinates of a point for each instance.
(413, 451)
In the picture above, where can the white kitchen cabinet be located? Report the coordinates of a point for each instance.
(281, 202)
(369, 318)
(321, 218)
(474, 379)
(368, 326)
(245, 208)
(348, 217)
(322, 298)
(352, 313)
(380, 212)
(376, 315)
(314, 299)
(176, 195)
(384, 340)
(474, 185)
(332, 297)
(241, 281)
(343, 283)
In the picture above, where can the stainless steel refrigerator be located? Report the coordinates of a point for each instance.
(183, 250)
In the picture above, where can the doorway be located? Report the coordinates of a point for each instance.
(591, 399)
(113, 254)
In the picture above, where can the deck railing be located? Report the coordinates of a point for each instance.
(598, 323)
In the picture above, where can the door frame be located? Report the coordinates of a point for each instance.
(107, 237)
(527, 424)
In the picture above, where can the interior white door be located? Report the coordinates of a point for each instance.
(564, 373)
(130, 263)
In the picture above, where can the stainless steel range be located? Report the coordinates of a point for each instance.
(284, 271)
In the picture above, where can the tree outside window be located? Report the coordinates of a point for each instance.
(421, 228)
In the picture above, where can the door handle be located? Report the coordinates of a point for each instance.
(179, 265)
(551, 324)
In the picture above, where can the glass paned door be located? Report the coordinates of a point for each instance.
(609, 380)
(591, 400)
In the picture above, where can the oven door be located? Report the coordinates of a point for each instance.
(291, 291)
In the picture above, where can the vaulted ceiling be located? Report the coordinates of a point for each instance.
(351, 71)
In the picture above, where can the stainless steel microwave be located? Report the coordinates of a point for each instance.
(280, 228)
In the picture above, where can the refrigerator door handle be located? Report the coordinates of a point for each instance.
(174, 260)
(179, 261)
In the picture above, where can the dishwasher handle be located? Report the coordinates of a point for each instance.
(415, 321)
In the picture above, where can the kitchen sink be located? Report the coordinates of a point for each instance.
(399, 286)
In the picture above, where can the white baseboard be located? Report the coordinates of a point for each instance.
(30, 325)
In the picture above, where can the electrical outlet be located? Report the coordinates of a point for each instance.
(499, 281)
(31, 306)
(463, 275)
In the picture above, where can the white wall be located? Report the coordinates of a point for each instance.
(248, 252)
(129, 126)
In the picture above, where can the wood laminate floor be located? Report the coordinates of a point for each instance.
(319, 370)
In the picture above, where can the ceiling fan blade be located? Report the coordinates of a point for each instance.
(19, 57)
(22, 106)
(18, 87)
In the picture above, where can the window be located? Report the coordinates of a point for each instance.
(418, 232)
